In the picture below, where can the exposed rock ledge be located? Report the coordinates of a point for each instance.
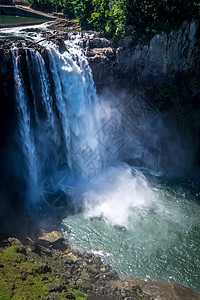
(49, 269)
(165, 56)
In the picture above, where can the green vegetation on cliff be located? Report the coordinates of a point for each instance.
(29, 277)
(118, 18)
(49, 269)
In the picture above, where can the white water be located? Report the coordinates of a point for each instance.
(61, 129)
(115, 192)
(24, 127)
(75, 100)
(145, 225)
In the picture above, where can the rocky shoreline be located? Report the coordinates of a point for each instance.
(47, 268)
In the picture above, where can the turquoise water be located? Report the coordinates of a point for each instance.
(5, 20)
(146, 225)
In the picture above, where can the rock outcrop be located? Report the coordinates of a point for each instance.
(165, 73)
(165, 56)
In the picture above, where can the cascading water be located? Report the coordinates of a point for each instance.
(145, 223)
(60, 128)
(75, 97)
(25, 130)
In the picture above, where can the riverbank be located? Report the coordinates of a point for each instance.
(47, 268)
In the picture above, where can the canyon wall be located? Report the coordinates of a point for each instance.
(164, 57)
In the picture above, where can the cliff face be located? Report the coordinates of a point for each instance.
(164, 57)
(165, 73)
(166, 54)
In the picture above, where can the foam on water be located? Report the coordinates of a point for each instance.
(147, 231)
(114, 193)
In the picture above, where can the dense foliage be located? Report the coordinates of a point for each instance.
(139, 18)
(158, 15)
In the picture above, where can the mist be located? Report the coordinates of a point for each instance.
(63, 134)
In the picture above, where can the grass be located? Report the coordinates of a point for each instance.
(22, 279)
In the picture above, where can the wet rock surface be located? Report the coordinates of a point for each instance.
(47, 268)
(53, 238)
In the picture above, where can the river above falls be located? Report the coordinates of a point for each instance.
(15, 20)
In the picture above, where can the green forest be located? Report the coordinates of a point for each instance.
(117, 18)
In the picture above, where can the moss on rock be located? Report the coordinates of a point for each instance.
(32, 271)
(27, 275)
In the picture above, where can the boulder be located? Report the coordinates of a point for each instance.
(53, 238)
(14, 242)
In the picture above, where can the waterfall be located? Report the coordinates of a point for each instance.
(38, 60)
(25, 126)
(75, 98)
(57, 131)
(68, 136)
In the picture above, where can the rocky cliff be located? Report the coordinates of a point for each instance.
(165, 73)
(165, 56)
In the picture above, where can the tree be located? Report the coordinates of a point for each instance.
(117, 18)
(83, 10)
(69, 9)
